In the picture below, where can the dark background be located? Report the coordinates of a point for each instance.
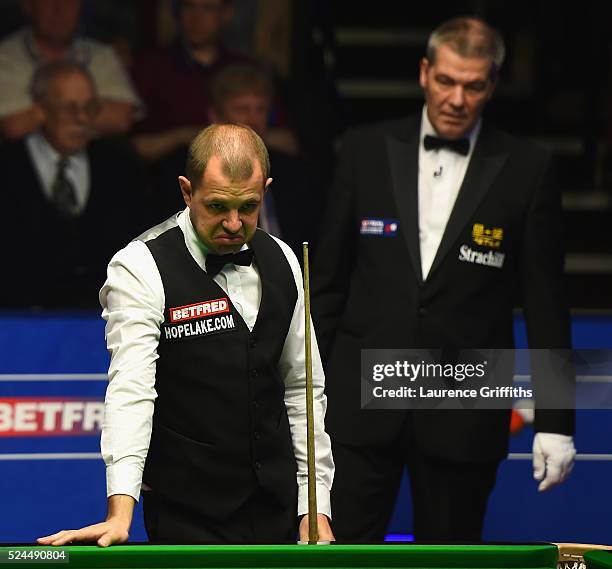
(353, 62)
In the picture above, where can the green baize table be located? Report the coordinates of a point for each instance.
(533, 556)
(598, 559)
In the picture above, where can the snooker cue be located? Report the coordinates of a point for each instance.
(313, 534)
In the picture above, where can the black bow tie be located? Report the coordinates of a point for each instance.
(461, 145)
(214, 263)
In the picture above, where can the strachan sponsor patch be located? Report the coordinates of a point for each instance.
(487, 236)
(199, 310)
(489, 259)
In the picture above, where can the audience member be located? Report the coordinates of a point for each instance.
(71, 202)
(174, 81)
(296, 40)
(243, 93)
(117, 23)
(52, 36)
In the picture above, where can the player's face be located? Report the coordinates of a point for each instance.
(224, 212)
(456, 91)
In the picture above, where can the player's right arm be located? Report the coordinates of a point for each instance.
(132, 299)
(115, 529)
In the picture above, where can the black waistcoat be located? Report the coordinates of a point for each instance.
(220, 426)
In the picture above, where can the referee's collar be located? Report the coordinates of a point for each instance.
(428, 129)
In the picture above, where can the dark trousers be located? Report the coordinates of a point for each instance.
(259, 520)
(449, 498)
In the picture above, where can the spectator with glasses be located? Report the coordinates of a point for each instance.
(62, 191)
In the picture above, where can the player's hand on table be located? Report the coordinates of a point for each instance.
(106, 533)
(553, 459)
(324, 529)
(114, 530)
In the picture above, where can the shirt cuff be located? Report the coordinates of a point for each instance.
(323, 500)
(123, 478)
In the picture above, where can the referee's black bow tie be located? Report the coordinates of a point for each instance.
(461, 145)
(214, 263)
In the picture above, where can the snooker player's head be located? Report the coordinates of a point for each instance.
(226, 176)
(459, 74)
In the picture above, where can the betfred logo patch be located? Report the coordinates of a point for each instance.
(199, 310)
(199, 319)
(204, 327)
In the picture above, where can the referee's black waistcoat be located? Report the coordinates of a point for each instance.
(220, 426)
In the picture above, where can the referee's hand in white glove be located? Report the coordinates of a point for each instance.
(553, 459)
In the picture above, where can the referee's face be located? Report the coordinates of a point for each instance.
(456, 91)
(224, 212)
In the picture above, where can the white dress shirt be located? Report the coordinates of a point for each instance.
(45, 159)
(133, 305)
(441, 174)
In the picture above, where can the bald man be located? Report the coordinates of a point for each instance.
(205, 409)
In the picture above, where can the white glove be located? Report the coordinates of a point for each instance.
(553, 455)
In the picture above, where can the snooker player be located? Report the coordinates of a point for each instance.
(205, 407)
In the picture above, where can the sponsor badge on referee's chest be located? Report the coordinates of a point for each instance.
(487, 236)
(382, 227)
(484, 237)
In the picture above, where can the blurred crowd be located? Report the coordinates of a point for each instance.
(98, 103)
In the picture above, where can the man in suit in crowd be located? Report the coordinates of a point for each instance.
(434, 223)
(174, 81)
(73, 201)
